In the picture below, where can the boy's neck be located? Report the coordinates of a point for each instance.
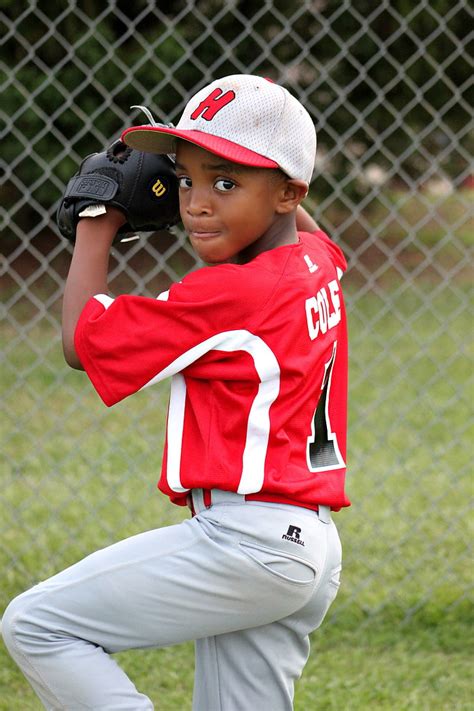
(281, 233)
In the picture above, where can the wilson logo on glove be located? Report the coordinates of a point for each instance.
(158, 188)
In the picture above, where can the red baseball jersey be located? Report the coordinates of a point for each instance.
(257, 354)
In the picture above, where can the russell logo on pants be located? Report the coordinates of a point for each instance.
(293, 534)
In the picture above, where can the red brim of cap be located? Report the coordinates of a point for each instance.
(162, 139)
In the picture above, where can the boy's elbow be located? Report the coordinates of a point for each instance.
(71, 358)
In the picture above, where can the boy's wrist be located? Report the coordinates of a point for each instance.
(102, 227)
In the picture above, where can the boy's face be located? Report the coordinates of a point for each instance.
(226, 207)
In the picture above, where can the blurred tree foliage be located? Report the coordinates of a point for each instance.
(71, 70)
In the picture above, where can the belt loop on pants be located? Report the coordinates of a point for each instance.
(324, 514)
(197, 504)
(201, 499)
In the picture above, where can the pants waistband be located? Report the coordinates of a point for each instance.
(201, 499)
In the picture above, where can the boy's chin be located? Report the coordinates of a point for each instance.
(215, 262)
(213, 259)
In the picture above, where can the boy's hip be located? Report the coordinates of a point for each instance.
(287, 531)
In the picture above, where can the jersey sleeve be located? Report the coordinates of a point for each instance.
(125, 344)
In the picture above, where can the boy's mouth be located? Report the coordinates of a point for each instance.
(203, 234)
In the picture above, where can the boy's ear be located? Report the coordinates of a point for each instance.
(292, 194)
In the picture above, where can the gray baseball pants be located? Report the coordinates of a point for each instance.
(247, 581)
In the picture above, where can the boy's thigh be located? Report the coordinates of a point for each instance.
(130, 594)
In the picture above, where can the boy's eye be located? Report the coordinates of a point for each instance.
(184, 181)
(224, 185)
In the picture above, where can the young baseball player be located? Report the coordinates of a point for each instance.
(255, 345)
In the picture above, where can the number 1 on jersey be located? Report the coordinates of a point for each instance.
(322, 451)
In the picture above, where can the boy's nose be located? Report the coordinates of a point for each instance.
(198, 203)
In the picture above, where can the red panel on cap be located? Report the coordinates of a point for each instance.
(220, 146)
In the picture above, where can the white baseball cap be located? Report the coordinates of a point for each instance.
(244, 118)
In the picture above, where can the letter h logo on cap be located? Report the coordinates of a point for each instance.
(209, 107)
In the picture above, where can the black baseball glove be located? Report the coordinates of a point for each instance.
(143, 185)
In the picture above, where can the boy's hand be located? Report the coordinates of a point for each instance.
(142, 185)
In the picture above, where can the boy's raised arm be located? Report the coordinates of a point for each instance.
(304, 221)
(88, 273)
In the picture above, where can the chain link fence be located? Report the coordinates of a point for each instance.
(388, 86)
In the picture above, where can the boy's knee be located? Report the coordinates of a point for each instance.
(16, 623)
(7, 624)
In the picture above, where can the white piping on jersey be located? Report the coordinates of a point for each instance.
(104, 299)
(175, 428)
(258, 425)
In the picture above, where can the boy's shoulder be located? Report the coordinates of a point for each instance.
(321, 244)
(233, 281)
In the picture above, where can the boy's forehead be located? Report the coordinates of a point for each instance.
(207, 159)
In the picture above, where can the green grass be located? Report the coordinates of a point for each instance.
(399, 634)
(434, 220)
